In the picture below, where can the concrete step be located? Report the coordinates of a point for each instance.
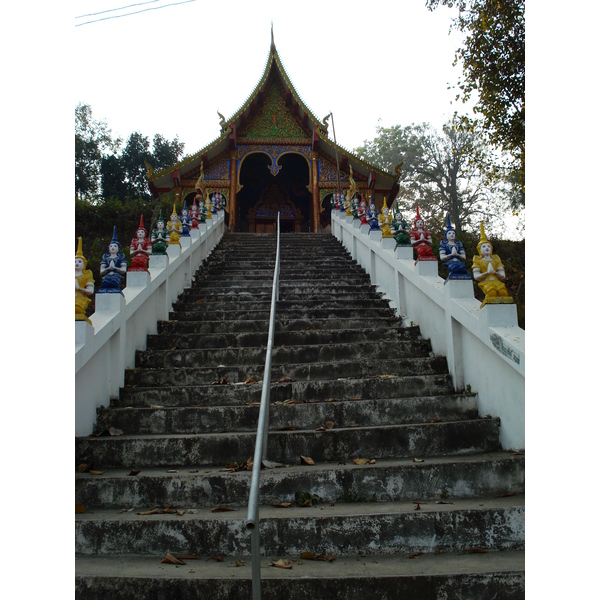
(284, 324)
(202, 312)
(370, 528)
(476, 576)
(152, 377)
(255, 339)
(435, 479)
(420, 440)
(309, 415)
(237, 395)
(370, 353)
(287, 294)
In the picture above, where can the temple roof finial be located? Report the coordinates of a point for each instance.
(272, 39)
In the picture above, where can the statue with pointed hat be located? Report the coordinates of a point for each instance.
(160, 236)
(113, 267)
(372, 216)
(140, 248)
(174, 228)
(202, 196)
(452, 253)
(420, 239)
(399, 226)
(195, 214)
(385, 220)
(362, 211)
(84, 284)
(186, 221)
(488, 271)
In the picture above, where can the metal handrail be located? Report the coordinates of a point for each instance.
(260, 449)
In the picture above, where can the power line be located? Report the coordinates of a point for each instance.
(115, 9)
(134, 13)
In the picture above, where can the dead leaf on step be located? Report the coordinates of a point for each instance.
(115, 431)
(282, 564)
(307, 460)
(79, 509)
(240, 563)
(231, 467)
(169, 558)
(173, 348)
(332, 400)
(418, 460)
(221, 509)
(309, 329)
(180, 512)
(188, 557)
(361, 461)
(95, 472)
(83, 467)
(154, 511)
(438, 552)
(285, 380)
(250, 380)
(353, 425)
(388, 376)
(414, 555)
(292, 401)
(282, 504)
(434, 421)
(156, 406)
(507, 494)
(372, 461)
(199, 301)
(476, 551)
(330, 557)
(216, 558)
(320, 429)
(252, 403)
(354, 398)
(329, 424)
(417, 506)
(286, 428)
(311, 556)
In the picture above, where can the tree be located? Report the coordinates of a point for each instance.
(440, 172)
(92, 139)
(124, 176)
(493, 60)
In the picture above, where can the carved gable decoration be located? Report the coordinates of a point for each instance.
(273, 119)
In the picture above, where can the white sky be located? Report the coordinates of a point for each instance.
(170, 70)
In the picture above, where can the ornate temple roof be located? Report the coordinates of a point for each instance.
(315, 133)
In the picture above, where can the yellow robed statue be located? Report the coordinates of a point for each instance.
(84, 284)
(488, 271)
(385, 221)
(174, 228)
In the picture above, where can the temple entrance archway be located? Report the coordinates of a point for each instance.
(262, 194)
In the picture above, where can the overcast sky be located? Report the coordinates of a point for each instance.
(169, 69)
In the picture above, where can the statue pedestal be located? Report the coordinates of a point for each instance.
(499, 315)
(427, 268)
(84, 332)
(173, 250)
(158, 261)
(388, 243)
(195, 234)
(202, 227)
(364, 228)
(355, 223)
(109, 303)
(375, 234)
(404, 252)
(137, 278)
(185, 241)
(349, 218)
(459, 288)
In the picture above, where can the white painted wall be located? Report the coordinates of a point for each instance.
(484, 347)
(121, 323)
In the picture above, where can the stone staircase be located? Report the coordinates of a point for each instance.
(433, 509)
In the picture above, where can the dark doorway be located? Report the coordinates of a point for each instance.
(262, 194)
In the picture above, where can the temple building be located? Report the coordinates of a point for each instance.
(273, 155)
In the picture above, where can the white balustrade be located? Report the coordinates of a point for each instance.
(121, 323)
(484, 347)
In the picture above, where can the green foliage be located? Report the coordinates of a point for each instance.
(92, 140)
(493, 61)
(306, 499)
(440, 173)
(104, 170)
